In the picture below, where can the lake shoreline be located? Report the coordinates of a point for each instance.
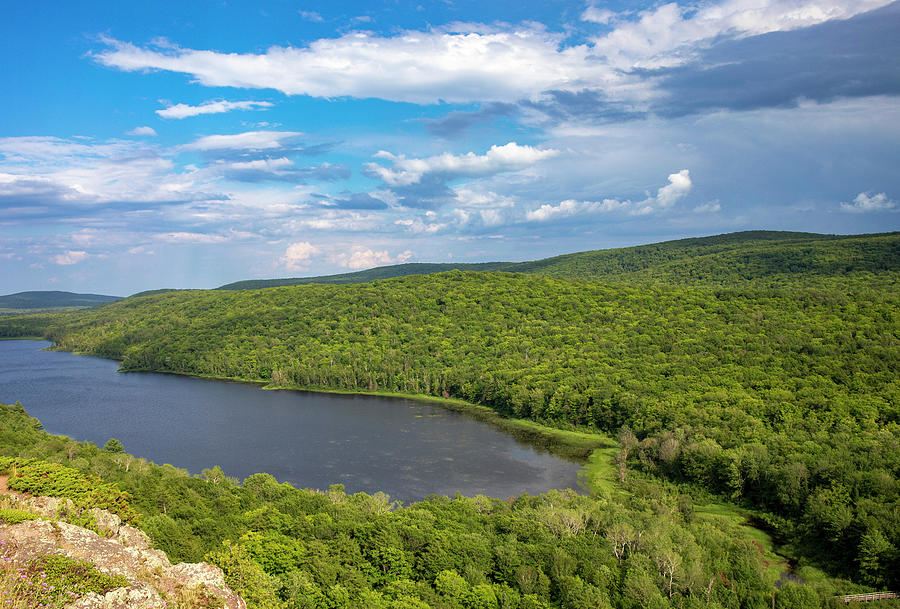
(412, 458)
(576, 446)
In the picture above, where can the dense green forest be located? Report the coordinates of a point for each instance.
(31, 302)
(644, 546)
(723, 259)
(761, 367)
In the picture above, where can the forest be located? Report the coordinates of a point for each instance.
(758, 369)
(646, 545)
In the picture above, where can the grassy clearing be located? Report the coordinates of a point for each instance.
(777, 563)
(599, 475)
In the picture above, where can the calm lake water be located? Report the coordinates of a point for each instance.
(405, 448)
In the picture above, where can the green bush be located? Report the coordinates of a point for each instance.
(55, 480)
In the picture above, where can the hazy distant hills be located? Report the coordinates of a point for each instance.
(53, 300)
(720, 259)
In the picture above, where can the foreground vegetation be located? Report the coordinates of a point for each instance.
(284, 547)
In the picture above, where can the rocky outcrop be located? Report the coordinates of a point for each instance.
(121, 550)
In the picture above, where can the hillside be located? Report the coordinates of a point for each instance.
(381, 272)
(785, 398)
(721, 259)
(47, 300)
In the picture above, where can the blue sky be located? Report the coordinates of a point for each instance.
(190, 144)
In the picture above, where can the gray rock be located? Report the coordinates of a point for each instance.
(125, 552)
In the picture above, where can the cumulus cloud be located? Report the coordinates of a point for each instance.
(418, 67)
(501, 63)
(297, 255)
(509, 157)
(679, 185)
(69, 257)
(865, 202)
(210, 107)
(142, 131)
(360, 257)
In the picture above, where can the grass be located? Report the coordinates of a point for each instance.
(776, 563)
(599, 475)
(11, 516)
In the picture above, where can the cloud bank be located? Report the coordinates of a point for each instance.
(499, 63)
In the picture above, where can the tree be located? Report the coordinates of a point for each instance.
(113, 446)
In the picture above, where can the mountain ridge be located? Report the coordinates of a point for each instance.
(646, 262)
(51, 299)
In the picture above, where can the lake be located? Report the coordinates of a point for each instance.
(405, 448)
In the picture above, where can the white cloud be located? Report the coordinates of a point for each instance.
(418, 67)
(312, 16)
(668, 35)
(597, 15)
(265, 165)
(249, 140)
(57, 172)
(69, 257)
(210, 107)
(142, 131)
(40, 149)
(679, 185)
(360, 257)
(471, 62)
(297, 255)
(708, 208)
(469, 198)
(570, 207)
(509, 157)
(864, 202)
(418, 226)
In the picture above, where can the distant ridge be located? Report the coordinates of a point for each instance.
(720, 258)
(53, 300)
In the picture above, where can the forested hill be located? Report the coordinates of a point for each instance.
(721, 259)
(52, 300)
(763, 369)
(783, 397)
(381, 272)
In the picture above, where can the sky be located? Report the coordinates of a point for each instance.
(156, 144)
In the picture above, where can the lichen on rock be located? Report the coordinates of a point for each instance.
(121, 550)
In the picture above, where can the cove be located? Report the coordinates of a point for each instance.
(405, 448)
